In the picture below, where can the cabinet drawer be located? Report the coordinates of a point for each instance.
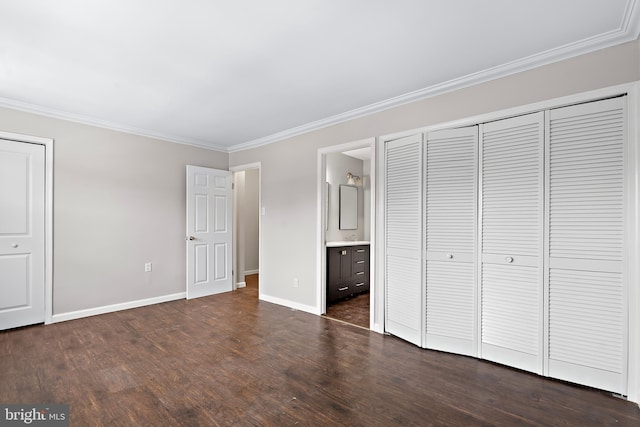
(361, 286)
(340, 291)
(359, 267)
(360, 253)
(360, 275)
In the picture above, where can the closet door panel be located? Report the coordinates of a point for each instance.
(403, 239)
(586, 229)
(450, 192)
(451, 314)
(511, 241)
(511, 317)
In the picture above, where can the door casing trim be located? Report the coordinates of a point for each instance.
(48, 214)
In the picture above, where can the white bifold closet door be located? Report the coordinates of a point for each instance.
(404, 296)
(450, 190)
(511, 243)
(586, 240)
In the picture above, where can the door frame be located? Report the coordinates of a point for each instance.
(233, 170)
(376, 316)
(48, 214)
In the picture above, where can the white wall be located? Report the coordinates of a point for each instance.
(289, 226)
(338, 165)
(119, 201)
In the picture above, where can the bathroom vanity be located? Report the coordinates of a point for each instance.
(347, 269)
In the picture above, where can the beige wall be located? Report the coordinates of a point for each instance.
(289, 167)
(119, 201)
(249, 212)
(338, 165)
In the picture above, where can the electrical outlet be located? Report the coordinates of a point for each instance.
(296, 282)
(147, 267)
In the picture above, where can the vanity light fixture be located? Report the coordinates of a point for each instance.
(353, 179)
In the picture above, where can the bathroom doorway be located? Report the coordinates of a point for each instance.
(346, 234)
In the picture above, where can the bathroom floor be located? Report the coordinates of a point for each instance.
(353, 310)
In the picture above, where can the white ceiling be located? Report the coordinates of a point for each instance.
(235, 74)
(359, 153)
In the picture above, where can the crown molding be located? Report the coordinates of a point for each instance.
(631, 19)
(629, 30)
(92, 121)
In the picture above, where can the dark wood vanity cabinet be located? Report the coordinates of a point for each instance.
(347, 271)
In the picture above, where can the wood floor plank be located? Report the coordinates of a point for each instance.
(232, 360)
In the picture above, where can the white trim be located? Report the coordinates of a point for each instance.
(321, 254)
(104, 124)
(48, 214)
(562, 101)
(291, 304)
(241, 168)
(633, 267)
(241, 285)
(379, 254)
(245, 167)
(63, 317)
(630, 22)
(248, 272)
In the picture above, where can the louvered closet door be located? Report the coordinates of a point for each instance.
(511, 220)
(586, 187)
(403, 238)
(451, 157)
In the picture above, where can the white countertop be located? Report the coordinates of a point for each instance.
(346, 243)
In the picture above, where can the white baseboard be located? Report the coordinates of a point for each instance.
(248, 272)
(290, 304)
(62, 317)
(241, 285)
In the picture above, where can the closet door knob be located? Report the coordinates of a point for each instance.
(509, 259)
(450, 256)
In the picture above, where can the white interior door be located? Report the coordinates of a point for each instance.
(512, 235)
(451, 240)
(22, 184)
(404, 296)
(209, 231)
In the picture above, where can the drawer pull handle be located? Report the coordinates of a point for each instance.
(360, 262)
(360, 251)
(359, 273)
(343, 289)
(450, 256)
(509, 259)
(343, 252)
(359, 284)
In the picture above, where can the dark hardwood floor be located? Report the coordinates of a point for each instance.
(233, 360)
(351, 310)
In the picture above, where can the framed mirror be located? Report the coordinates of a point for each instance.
(348, 207)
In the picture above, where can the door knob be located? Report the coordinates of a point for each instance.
(190, 238)
(14, 245)
(509, 259)
(450, 256)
